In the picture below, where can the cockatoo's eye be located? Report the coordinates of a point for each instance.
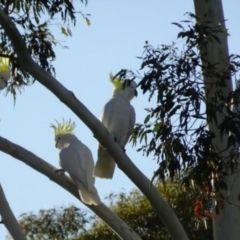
(57, 140)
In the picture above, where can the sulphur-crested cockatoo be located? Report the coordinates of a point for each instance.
(4, 72)
(76, 159)
(118, 116)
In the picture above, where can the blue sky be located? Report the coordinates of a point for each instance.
(116, 36)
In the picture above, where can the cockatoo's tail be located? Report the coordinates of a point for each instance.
(66, 127)
(4, 65)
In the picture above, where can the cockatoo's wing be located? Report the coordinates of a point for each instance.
(77, 160)
(131, 124)
(105, 165)
(107, 113)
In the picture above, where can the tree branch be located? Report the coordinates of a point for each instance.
(9, 219)
(35, 162)
(164, 211)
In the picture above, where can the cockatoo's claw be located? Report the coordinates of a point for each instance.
(60, 171)
(124, 150)
(116, 140)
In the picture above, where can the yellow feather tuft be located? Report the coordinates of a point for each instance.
(4, 65)
(66, 127)
(117, 82)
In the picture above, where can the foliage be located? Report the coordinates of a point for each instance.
(56, 223)
(175, 129)
(28, 16)
(133, 208)
(137, 212)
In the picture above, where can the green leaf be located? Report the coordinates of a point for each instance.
(69, 31)
(36, 17)
(157, 127)
(64, 31)
(88, 21)
(178, 24)
(174, 110)
(146, 120)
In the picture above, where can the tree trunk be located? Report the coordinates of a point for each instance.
(8, 219)
(227, 223)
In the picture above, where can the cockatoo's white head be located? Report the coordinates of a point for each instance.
(126, 88)
(63, 133)
(4, 72)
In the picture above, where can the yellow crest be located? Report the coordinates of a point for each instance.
(4, 65)
(117, 82)
(66, 127)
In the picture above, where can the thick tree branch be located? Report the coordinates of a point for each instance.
(100, 132)
(9, 219)
(35, 162)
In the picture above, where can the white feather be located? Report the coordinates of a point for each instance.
(76, 159)
(118, 116)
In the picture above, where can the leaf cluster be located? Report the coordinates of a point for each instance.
(72, 223)
(34, 19)
(56, 223)
(136, 211)
(175, 129)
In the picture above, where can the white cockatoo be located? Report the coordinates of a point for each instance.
(118, 116)
(76, 159)
(4, 72)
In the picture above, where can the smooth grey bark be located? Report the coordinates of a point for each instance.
(164, 211)
(227, 223)
(35, 162)
(8, 218)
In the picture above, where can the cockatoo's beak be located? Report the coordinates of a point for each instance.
(56, 144)
(3, 84)
(135, 93)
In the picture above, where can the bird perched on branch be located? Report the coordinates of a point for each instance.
(76, 159)
(118, 116)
